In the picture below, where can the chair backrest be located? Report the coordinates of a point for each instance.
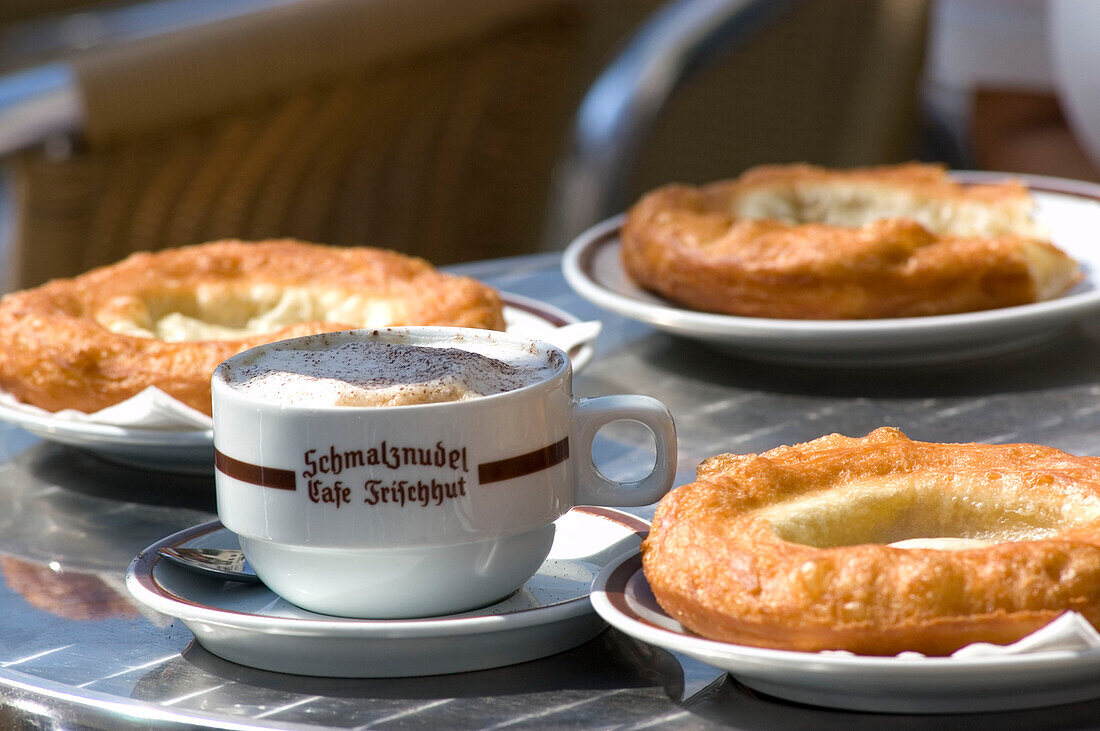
(340, 121)
(433, 126)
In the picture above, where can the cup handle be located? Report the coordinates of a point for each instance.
(589, 415)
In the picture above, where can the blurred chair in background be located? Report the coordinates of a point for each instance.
(705, 90)
(408, 125)
(428, 126)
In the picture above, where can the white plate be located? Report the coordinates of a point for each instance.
(622, 596)
(249, 625)
(183, 452)
(191, 451)
(1071, 210)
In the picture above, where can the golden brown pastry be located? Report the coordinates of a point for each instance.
(167, 319)
(804, 242)
(790, 549)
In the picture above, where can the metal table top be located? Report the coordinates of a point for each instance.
(76, 651)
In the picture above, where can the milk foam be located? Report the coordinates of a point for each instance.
(370, 373)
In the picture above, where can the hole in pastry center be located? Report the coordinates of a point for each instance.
(224, 313)
(853, 206)
(916, 515)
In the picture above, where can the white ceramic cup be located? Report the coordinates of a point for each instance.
(416, 510)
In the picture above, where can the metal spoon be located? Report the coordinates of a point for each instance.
(227, 564)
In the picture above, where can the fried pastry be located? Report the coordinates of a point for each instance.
(879, 545)
(804, 242)
(167, 319)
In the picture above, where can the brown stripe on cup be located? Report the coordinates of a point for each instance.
(256, 474)
(523, 464)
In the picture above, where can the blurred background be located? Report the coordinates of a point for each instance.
(460, 130)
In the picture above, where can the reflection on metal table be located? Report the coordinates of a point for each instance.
(76, 650)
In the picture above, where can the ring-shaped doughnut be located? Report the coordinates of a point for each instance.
(790, 549)
(804, 242)
(168, 318)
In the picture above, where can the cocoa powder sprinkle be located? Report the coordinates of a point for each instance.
(369, 373)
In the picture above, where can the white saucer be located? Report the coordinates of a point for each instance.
(249, 625)
(1070, 209)
(622, 596)
(188, 451)
(191, 451)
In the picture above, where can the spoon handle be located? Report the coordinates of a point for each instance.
(223, 563)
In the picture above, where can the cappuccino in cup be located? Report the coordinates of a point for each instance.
(373, 373)
(411, 472)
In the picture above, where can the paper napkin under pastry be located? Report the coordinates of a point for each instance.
(568, 336)
(150, 409)
(1070, 631)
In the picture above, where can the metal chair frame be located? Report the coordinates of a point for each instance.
(43, 103)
